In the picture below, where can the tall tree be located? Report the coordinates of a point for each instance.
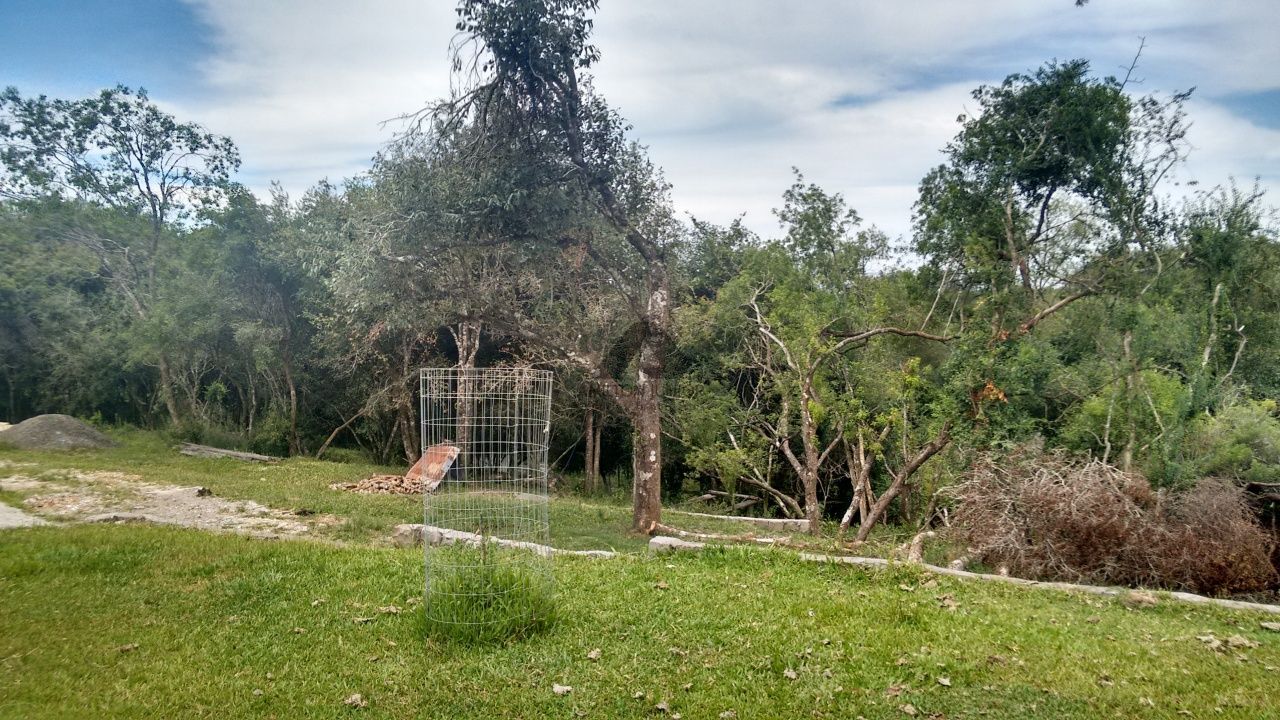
(530, 108)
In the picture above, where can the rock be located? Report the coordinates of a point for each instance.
(1140, 598)
(407, 535)
(54, 432)
(663, 543)
(118, 517)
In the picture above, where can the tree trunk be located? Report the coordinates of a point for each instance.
(809, 435)
(1126, 455)
(467, 338)
(589, 476)
(901, 481)
(595, 455)
(860, 480)
(166, 392)
(295, 443)
(410, 442)
(646, 493)
(646, 402)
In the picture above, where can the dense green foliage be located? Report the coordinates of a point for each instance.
(1052, 290)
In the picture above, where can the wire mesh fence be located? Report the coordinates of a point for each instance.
(484, 470)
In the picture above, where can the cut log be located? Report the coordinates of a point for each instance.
(711, 495)
(195, 450)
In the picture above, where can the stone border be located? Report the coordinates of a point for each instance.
(415, 534)
(663, 543)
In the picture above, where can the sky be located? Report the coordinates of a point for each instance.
(728, 95)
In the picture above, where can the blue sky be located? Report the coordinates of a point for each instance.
(727, 94)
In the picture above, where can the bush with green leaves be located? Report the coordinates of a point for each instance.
(1241, 442)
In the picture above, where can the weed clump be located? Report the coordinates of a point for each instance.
(487, 594)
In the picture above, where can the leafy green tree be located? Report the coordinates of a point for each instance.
(117, 149)
(566, 164)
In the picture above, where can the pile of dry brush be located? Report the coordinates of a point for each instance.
(1052, 516)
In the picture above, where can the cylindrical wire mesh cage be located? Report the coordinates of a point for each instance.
(484, 471)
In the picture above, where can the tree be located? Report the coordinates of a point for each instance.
(531, 110)
(121, 151)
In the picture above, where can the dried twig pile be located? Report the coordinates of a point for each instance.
(383, 485)
(1051, 516)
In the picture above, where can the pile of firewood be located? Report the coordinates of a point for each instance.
(382, 485)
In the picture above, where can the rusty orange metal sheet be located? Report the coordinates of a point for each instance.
(432, 466)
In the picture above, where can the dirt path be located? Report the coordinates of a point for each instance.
(79, 496)
(12, 517)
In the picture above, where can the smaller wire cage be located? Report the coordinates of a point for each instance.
(485, 433)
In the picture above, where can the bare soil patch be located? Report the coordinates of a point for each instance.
(79, 496)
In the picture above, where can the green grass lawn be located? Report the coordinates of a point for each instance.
(137, 621)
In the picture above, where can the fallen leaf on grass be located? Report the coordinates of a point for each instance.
(257, 692)
(1140, 598)
(662, 585)
(906, 588)
(728, 715)
(1239, 641)
(662, 707)
(594, 655)
(1093, 619)
(127, 648)
(561, 689)
(944, 681)
(790, 674)
(299, 631)
(389, 610)
(947, 602)
(1212, 642)
(356, 701)
(361, 620)
(908, 709)
(1273, 627)
(639, 695)
(895, 690)
(317, 602)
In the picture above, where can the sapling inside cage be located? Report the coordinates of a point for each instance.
(484, 470)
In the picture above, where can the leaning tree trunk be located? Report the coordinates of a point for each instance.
(902, 481)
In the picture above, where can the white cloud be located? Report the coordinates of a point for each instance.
(730, 95)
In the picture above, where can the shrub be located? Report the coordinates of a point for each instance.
(1052, 516)
(1241, 442)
